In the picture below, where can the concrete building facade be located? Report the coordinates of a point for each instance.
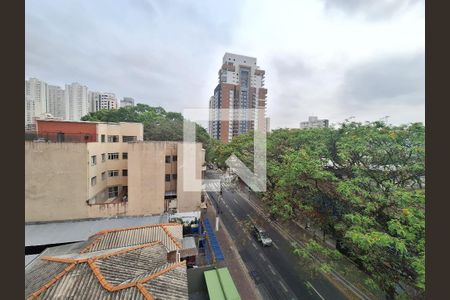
(112, 173)
(76, 101)
(240, 88)
(106, 101)
(36, 94)
(55, 102)
(314, 122)
(93, 98)
(127, 101)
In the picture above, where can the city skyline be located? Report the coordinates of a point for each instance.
(365, 60)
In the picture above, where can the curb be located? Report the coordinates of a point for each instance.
(236, 253)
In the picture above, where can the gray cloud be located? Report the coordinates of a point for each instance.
(155, 51)
(371, 9)
(394, 80)
(168, 52)
(290, 67)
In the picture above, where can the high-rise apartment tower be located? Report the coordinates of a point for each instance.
(241, 95)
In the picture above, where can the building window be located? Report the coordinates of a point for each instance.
(113, 138)
(167, 177)
(93, 160)
(167, 159)
(113, 173)
(94, 181)
(103, 157)
(174, 158)
(113, 191)
(124, 155)
(103, 138)
(124, 172)
(103, 175)
(129, 138)
(113, 156)
(174, 176)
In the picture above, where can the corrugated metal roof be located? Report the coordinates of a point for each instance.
(74, 231)
(113, 264)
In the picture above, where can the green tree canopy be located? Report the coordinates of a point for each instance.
(159, 125)
(364, 184)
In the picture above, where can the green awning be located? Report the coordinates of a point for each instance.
(220, 285)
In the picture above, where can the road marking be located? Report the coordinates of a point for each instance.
(289, 237)
(262, 256)
(309, 284)
(283, 286)
(254, 245)
(275, 245)
(272, 270)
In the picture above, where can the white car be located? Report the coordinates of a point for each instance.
(262, 236)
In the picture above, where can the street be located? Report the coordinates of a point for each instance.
(275, 269)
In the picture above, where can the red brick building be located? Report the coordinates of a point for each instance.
(67, 131)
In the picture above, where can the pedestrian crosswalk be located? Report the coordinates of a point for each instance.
(213, 185)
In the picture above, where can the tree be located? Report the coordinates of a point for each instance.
(364, 184)
(159, 125)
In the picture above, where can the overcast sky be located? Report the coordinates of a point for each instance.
(331, 58)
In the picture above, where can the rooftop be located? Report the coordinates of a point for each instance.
(123, 263)
(81, 230)
(83, 122)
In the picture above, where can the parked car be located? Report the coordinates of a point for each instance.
(261, 235)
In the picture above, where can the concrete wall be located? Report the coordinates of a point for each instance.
(188, 200)
(58, 179)
(146, 177)
(56, 184)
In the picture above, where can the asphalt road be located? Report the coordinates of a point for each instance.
(275, 269)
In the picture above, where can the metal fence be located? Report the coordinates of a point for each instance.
(60, 137)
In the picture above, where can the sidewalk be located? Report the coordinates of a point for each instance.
(232, 260)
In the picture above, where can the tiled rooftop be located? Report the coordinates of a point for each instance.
(126, 263)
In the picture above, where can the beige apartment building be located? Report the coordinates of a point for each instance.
(79, 170)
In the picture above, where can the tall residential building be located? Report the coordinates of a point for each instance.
(314, 122)
(76, 101)
(268, 124)
(127, 101)
(241, 87)
(55, 101)
(93, 99)
(106, 101)
(97, 169)
(212, 112)
(36, 93)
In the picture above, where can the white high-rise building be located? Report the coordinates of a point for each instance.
(36, 92)
(106, 101)
(314, 122)
(94, 98)
(76, 101)
(127, 101)
(55, 102)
